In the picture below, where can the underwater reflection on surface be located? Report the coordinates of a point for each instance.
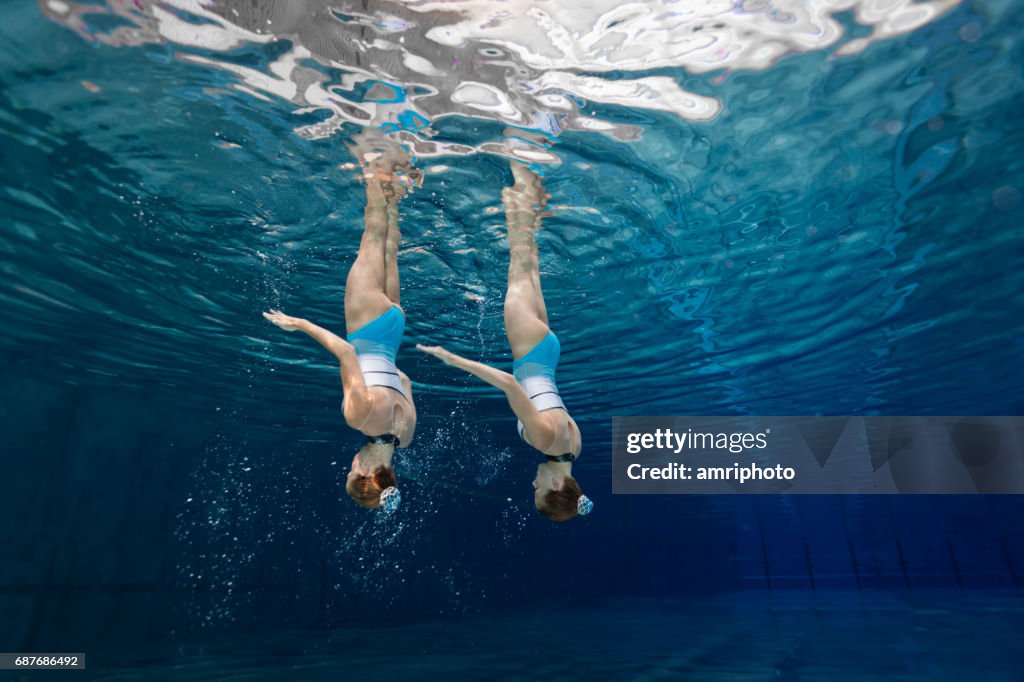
(536, 65)
(759, 207)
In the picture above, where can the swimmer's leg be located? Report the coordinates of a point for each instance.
(366, 295)
(538, 199)
(526, 317)
(391, 284)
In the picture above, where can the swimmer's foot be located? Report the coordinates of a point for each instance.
(385, 164)
(524, 200)
(527, 146)
(526, 181)
(395, 181)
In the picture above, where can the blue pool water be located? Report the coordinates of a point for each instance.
(781, 637)
(757, 208)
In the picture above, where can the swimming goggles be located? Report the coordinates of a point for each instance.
(384, 439)
(567, 457)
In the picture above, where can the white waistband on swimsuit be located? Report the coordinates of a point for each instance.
(543, 394)
(378, 370)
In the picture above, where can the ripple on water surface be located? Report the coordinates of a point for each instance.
(757, 207)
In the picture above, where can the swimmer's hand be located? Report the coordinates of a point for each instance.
(505, 382)
(339, 347)
(445, 356)
(285, 322)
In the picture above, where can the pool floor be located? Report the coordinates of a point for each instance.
(745, 636)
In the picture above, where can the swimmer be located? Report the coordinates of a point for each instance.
(377, 396)
(544, 423)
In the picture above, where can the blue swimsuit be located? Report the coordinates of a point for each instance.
(535, 372)
(376, 345)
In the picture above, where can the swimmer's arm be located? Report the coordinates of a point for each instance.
(408, 391)
(520, 403)
(495, 377)
(541, 433)
(357, 397)
(329, 340)
(356, 403)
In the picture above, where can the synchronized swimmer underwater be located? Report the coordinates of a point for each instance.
(377, 396)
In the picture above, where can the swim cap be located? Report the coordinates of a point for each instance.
(390, 498)
(583, 505)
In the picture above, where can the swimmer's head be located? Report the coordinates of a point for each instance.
(365, 485)
(558, 497)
